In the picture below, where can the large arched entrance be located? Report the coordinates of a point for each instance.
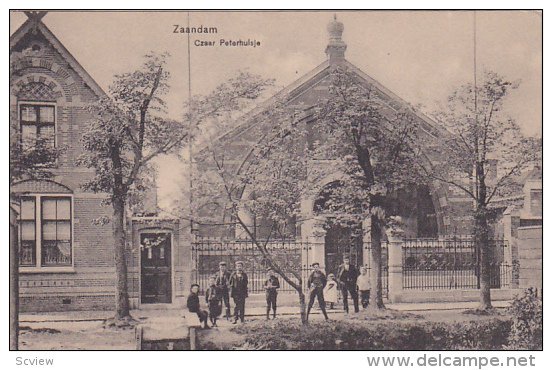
(342, 241)
(343, 235)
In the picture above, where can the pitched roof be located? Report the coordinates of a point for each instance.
(36, 23)
(295, 89)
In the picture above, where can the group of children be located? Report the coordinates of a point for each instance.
(326, 291)
(218, 293)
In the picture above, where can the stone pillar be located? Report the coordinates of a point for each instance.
(530, 257)
(313, 237)
(395, 266)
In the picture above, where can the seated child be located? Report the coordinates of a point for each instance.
(193, 305)
(213, 298)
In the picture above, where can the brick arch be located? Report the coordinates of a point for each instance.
(38, 80)
(40, 186)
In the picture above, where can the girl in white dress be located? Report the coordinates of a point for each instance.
(330, 291)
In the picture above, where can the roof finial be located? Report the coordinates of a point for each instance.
(336, 46)
(35, 15)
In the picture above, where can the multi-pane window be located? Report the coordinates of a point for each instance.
(37, 122)
(27, 229)
(45, 231)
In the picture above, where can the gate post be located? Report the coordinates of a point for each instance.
(395, 266)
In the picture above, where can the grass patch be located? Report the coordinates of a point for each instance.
(372, 331)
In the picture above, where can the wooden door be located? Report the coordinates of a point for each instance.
(156, 268)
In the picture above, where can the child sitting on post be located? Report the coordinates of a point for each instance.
(194, 307)
(214, 301)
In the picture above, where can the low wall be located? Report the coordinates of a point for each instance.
(449, 295)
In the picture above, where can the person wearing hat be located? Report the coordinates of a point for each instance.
(271, 285)
(316, 283)
(193, 305)
(213, 300)
(222, 280)
(238, 291)
(347, 276)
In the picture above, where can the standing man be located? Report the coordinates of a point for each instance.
(222, 281)
(238, 291)
(317, 282)
(347, 276)
(271, 286)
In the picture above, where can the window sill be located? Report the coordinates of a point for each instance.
(47, 270)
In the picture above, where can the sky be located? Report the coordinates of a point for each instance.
(420, 56)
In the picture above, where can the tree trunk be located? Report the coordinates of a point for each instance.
(483, 248)
(303, 308)
(14, 284)
(121, 302)
(376, 296)
(482, 239)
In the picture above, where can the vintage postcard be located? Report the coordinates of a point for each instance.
(276, 180)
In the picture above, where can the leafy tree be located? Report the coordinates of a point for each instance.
(375, 148)
(268, 188)
(346, 133)
(485, 155)
(128, 131)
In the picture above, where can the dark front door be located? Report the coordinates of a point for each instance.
(340, 241)
(156, 268)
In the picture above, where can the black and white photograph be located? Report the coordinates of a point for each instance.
(280, 180)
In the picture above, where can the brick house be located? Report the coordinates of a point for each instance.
(428, 211)
(66, 258)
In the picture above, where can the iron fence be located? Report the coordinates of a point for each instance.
(451, 263)
(208, 252)
(292, 256)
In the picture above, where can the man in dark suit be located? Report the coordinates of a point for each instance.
(317, 282)
(238, 291)
(221, 282)
(347, 276)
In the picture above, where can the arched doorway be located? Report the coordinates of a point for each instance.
(343, 236)
(342, 241)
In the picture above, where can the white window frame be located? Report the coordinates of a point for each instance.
(41, 103)
(38, 268)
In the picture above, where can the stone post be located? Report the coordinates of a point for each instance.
(395, 265)
(313, 235)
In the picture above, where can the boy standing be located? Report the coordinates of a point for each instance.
(213, 299)
(222, 281)
(363, 283)
(317, 282)
(271, 285)
(238, 291)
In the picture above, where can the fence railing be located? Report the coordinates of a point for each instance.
(207, 253)
(451, 263)
(428, 264)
